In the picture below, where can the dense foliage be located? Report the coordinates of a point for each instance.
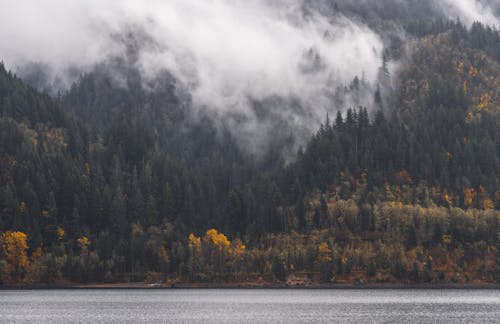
(113, 182)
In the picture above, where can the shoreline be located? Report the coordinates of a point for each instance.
(229, 286)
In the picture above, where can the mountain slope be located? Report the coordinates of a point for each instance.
(115, 182)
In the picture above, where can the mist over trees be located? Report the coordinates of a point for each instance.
(393, 177)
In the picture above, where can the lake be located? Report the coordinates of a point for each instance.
(250, 306)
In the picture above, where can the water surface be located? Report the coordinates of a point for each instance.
(250, 306)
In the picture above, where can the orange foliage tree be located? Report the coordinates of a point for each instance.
(15, 249)
(216, 240)
(214, 253)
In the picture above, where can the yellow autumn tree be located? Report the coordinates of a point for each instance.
(83, 243)
(35, 269)
(447, 197)
(237, 249)
(195, 262)
(60, 233)
(217, 240)
(488, 204)
(324, 253)
(194, 243)
(469, 196)
(237, 252)
(325, 259)
(217, 247)
(15, 249)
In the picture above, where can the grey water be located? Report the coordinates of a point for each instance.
(249, 306)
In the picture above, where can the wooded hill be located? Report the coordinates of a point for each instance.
(110, 183)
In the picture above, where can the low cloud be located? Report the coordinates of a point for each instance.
(470, 11)
(228, 54)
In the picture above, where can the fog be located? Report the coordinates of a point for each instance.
(220, 47)
(470, 11)
(226, 54)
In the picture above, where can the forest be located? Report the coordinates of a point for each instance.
(103, 183)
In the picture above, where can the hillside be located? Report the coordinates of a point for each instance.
(116, 182)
